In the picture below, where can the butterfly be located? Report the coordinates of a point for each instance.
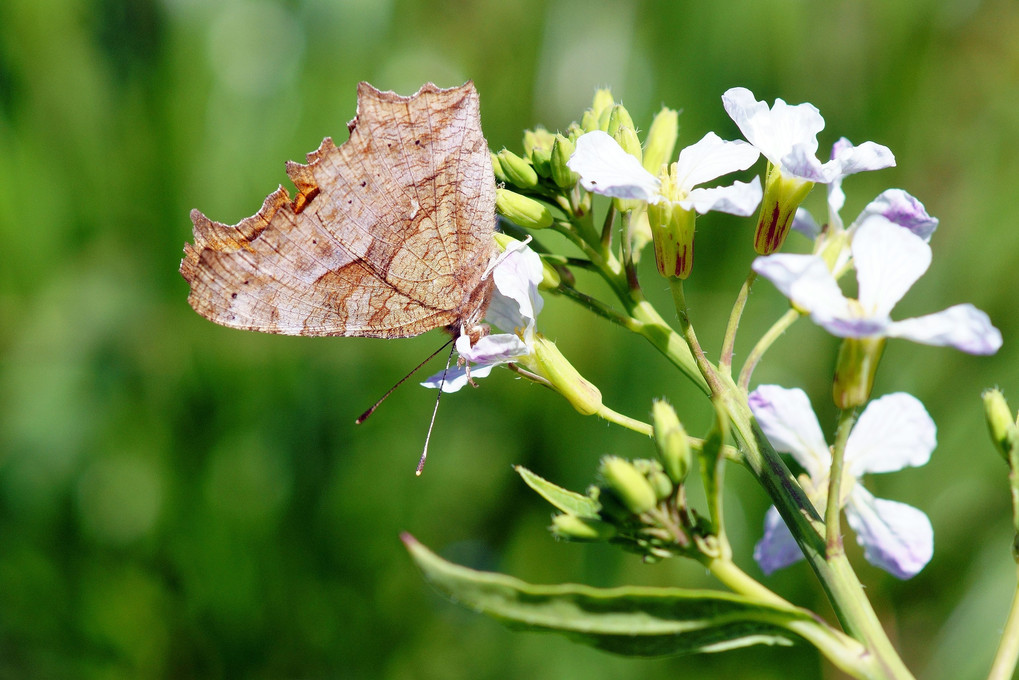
(389, 234)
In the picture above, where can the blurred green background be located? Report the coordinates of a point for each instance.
(183, 500)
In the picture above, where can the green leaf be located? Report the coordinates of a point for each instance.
(570, 502)
(634, 621)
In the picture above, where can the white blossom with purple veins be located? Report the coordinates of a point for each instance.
(787, 136)
(893, 432)
(514, 307)
(888, 261)
(605, 168)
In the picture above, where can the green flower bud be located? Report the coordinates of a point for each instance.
(627, 139)
(538, 148)
(562, 149)
(603, 100)
(619, 117)
(1000, 422)
(573, 528)
(554, 367)
(628, 484)
(589, 121)
(521, 210)
(518, 171)
(671, 441)
(855, 369)
(500, 175)
(782, 196)
(662, 485)
(661, 140)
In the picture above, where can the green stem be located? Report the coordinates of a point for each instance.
(631, 271)
(835, 574)
(841, 650)
(729, 340)
(1008, 649)
(626, 421)
(833, 509)
(766, 341)
(703, 365)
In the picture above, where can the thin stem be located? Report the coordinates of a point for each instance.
(729, 341)
(705, 367)
(606, 229)
(1008, 650)
(626, 421)
(600, 308)
(766, 341)
(833, 509)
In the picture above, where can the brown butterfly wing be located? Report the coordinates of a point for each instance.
(389, 234)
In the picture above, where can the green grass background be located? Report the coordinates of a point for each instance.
(180, 500)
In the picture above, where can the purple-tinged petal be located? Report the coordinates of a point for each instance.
(804, 223)
(851, 327)
(899, 207)
(777, 548)
(888, 261)
(605, 168)
(801, 162)
(806, 281)
(740, 198)
(711, 158)
(963, 327)
(492, 349)
(895, 537)
(787, 419)
(455, 378)
(893, 432)
(868, 156)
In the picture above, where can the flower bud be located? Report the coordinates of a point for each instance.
(521, 210)
(671, 441)
(538, 148)
(603, 100)
(628, 484)
(518, 171)
(782, 196)
(554, 367)
(1000, 421)
(661, 140)
(855, 369)
(500, 175)
(562, 149)
(627, 139)
(573, 528)
(619, 117)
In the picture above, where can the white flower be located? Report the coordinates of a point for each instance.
(605, 168)
(787, 136)
(893, 432)
(514, 307)
(888, 261)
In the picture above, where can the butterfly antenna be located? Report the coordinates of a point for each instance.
(442, 383)
(364, 416)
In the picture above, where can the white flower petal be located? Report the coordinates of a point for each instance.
(806, 281)
(888, 261)
(895, 537)
(775, 131)
(740, 198)
(606, 169)
(801, 162)
(899, 207)
(493, 349)
(517, 278)
(456, 377)
(963, 326)
(711, 158)
(868, 156)
(777, 548)
(787, 419)
(893, 432)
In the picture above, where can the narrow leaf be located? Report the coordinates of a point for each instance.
(570, 502)
(633, 621)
